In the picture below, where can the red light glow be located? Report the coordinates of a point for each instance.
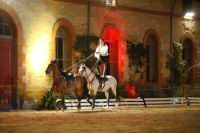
(130, 88)
(114, 40)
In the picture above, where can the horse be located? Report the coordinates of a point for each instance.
(60, 85)
(94, 85)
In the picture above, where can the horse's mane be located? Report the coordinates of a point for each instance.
(91, 70)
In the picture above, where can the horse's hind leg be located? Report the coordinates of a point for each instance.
(108, 98)
(115, 92)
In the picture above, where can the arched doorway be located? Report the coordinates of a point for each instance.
(8, 58)
(188, 56)
(63, 37)
(113, 38)
(152, 69)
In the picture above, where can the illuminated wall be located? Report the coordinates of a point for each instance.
(38, 48)
(131, 19)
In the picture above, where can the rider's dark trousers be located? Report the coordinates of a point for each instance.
(103, 60)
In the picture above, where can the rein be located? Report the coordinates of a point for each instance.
(78, 63)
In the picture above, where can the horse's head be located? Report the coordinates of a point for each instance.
(51, 67)
(81, 70)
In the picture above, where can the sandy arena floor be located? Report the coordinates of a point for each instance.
(134, 120)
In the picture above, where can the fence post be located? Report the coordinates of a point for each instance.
(144, 102)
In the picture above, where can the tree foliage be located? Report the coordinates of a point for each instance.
(137, 54)
(176, 63)
(83, 46)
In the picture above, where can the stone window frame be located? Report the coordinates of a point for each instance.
(6, 28)
(67, 25)
(153, 32)
(188, 35)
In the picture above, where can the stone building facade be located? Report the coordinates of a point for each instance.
(37, 25)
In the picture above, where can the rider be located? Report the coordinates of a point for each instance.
(101, 53)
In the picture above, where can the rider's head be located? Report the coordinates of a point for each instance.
(101, 41)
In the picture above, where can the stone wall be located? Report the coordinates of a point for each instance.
(38, 17)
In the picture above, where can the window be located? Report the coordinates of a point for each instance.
(111, 2)
(59, 51)
(62, 48)
(152, 66)
(187, 55)
(5, 29)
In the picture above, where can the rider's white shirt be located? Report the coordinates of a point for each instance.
(101, 50)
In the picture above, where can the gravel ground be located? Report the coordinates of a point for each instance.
(133, 120)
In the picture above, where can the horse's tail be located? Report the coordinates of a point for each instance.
(118, 97)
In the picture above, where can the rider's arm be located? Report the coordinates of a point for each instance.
(97, 52)
(104, 50)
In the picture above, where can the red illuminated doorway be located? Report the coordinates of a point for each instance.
(5, 71)
(112, 37)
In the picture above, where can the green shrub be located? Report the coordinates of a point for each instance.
(177, 92)
(177, 64)
(46, 103)
(193, 91)
(83, 45)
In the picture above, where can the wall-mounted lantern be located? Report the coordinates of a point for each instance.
(187, 9)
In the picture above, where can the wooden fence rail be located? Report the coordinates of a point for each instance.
(133, 102)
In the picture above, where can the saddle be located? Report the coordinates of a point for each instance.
(102, 81)
(68, 76)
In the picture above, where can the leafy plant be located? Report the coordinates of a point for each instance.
(137, 54)
(47, 102)
(176, 63)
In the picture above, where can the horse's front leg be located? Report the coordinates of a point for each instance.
(88, 100)
(79, 104)
(108, 98)
(63, 102)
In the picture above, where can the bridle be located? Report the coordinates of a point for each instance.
(51, 68)
(87, 75)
